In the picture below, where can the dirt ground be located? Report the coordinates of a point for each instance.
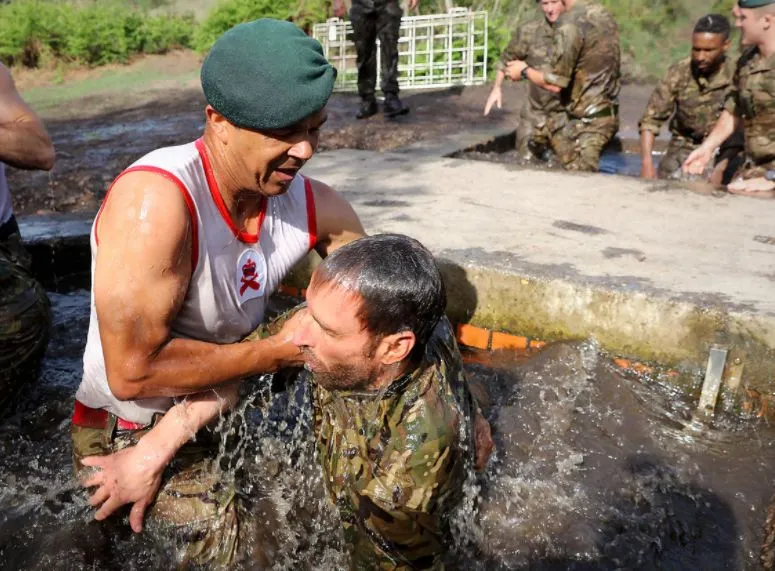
(91, 151)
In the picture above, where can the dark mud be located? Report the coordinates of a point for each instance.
(92, 151)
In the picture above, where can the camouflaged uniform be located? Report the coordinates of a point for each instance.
(752, 99)
(586, 62)
(532, 43)
(695, 103)
(195, 509)
(394, 462)
(25, 319)
(372, 19)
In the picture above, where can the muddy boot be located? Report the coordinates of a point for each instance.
(368, 108)
(393, 107)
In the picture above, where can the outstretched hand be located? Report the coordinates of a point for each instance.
(697, 161)
(125, 477)
(495, 98)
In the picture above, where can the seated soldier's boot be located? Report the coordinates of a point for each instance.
(367, 109)
(393, 106)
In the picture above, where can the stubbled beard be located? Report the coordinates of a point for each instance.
(341, 377)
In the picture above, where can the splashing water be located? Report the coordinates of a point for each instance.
(592, 471)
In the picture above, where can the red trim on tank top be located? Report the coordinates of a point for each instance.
(212, 184)
(186, 196)
(312, 224)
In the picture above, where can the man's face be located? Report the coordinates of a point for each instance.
(708, 52)
(752, 25)
(552, 9)
(267, 161)
(337, 348)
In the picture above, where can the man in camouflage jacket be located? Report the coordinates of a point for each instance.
(531, 42)
(691, 95)
(750, 104)
(585, 71)
(397, 428)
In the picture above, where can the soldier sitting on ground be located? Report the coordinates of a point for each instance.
(692, 92)
(395, 422)
(531, 42)
(25, 316)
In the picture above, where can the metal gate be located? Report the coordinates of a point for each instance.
(436, 50)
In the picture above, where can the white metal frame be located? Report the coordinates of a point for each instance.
(436, 50)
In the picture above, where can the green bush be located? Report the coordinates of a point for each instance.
(229, 13)
(92, 34)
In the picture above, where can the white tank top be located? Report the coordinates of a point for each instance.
(233, 272)
(6, 209)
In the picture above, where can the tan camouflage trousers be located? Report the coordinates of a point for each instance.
(533, 134)
(578, 143)
(25, 320)
(193, 510)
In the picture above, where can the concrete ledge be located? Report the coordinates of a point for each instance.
(652, 271)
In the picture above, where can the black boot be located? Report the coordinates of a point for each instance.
(368, 108)
(393, 106)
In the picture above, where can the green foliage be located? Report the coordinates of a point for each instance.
(229, 13)
(33, 31)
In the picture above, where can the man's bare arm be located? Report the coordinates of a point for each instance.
(141, 276)
(24, 142)
(337, 222)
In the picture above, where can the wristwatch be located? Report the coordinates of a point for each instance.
(523, 73)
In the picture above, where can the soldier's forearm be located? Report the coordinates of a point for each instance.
(181, 423)
(538, 78)
(725, 126)
(646, 145)
(499, 77)
(26, 145)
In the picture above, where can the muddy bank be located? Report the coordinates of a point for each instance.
(91, 151)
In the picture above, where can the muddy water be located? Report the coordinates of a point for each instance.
(593, 471)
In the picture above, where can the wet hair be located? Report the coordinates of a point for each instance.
(713, 24)
(398, 281)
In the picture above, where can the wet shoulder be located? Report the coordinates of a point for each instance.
(747, 58)
(679, 72)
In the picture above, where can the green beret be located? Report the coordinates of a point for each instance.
(754, 3)
(266, 74)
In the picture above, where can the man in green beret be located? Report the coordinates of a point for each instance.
(751, 103)
(188, 245)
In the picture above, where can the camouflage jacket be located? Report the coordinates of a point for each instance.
(394, 462)
(694, 103)
(532, 43)
(752, 98)
(586, 59)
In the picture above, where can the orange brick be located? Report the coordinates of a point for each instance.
(622, 363)
(304, 292)
(473, 336)
(289, 290)
(506, 341)
(535, 344)
(642, 369)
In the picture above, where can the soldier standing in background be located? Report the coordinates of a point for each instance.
(372, 19)
(692, 92)
(25, 316)
(531, 42)
(585, 70)
(750, 103)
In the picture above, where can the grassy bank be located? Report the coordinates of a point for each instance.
(46, 33)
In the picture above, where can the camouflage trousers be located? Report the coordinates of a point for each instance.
(533, 134)
(193, 511)
(25, 320)
(373, 19)
(578, 143)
